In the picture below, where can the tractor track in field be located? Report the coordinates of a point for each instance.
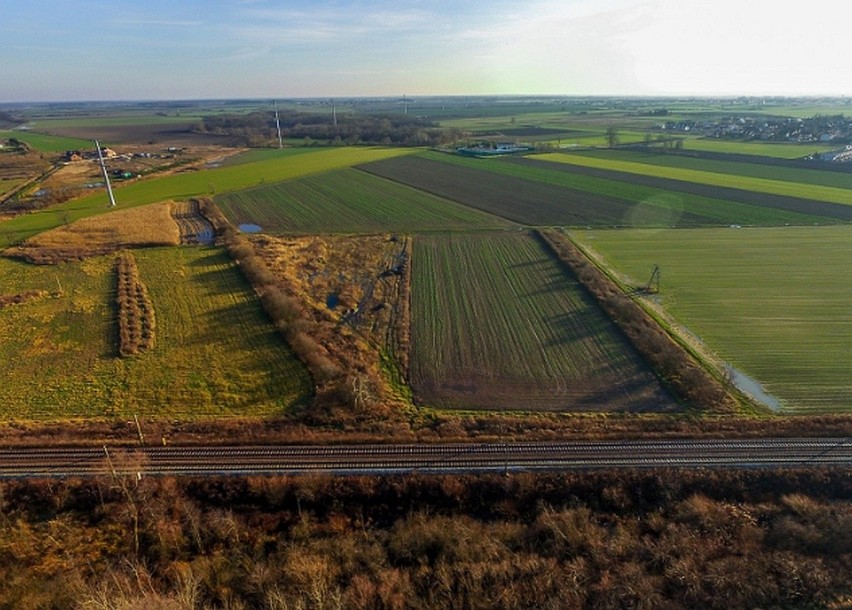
(455, 458)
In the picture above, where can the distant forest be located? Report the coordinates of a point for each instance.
(258, 128)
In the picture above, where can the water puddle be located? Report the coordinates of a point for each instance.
(751, 386)
(331, 301)
(250, 228)
(744, 383)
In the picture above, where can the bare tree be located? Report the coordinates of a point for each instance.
(612, 136)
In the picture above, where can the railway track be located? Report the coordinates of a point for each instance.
(428, 458)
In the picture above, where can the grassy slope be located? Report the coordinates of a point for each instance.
(775, 302)
(762, 185)
(349, 201)
(285, 165)
(497, 323)
(216, 353)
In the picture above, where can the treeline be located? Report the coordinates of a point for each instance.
(259, 129)
(678, 370)
(608, 540)
(136, 321)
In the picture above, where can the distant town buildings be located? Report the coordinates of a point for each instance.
(818, 129)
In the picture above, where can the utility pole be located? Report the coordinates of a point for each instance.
(277, 125)
(105, 174)
(139, 430)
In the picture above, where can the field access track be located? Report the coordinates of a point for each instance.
(811, 207)
(426, 458)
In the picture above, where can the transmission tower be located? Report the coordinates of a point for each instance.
(654, 281)
(277, 125)
(105, 174)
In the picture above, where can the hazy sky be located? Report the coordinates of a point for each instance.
(186, 49)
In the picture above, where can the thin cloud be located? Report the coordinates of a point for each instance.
(178, 23)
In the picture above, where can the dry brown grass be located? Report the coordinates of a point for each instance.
(354, 291)
(150, 225)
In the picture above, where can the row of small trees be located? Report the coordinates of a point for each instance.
(679, 371)
(259, 128)
(21, 297)
(136, 321)
(286, 313)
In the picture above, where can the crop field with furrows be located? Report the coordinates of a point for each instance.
(216, 352)
(815, 192)
(774, 302)
(737, 206)
(497, 323)
(779, 150)
(650, 202)
(770, 169)
(524, 201)
(285, 165)
(348, 201)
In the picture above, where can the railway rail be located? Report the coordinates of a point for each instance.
(425, 458)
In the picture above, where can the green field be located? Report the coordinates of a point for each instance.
(348, 201)
(714, 210)
(814, 175)
(8, 185)
(497, 323)
(216, 353)
(273, 167)
(774, 302)
(49, 124)
(748, 183)
(46, 143)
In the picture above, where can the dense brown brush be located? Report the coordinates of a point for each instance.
(619, 539)
(21, 297)
(284, 311)
(401, 328)
(136, 321)
(679, 371)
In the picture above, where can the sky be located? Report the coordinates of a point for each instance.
(61, 50)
